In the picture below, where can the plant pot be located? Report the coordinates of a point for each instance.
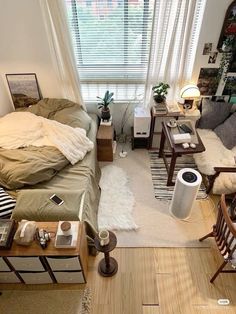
(105, 114)
(158, 99)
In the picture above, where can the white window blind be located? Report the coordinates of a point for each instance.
(111, 40)
(176, 29)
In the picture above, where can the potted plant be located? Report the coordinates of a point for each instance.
(160, 91)
(104, 105)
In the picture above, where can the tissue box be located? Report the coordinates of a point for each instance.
(182, 138)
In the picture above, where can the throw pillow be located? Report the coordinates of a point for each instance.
(227, 132)
(7, 204)
(213, 113)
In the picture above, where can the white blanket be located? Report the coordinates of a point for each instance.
(21, 129)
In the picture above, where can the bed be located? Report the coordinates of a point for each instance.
(33, 174)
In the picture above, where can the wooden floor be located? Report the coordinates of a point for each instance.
(163, 280)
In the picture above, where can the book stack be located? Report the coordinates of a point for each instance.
(67, 241)
(160, 108)
(173, 107)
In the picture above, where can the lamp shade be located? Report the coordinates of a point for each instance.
(189, 91)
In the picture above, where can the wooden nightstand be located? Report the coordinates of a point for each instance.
(105, 143)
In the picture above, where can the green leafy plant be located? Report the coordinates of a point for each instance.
(160, 91)
(106, 100)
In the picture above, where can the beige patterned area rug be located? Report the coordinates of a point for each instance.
(47, 300)
(156, 226)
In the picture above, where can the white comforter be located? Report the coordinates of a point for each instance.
(21, 129)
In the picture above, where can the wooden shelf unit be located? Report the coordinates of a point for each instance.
(34, 265)
(105, 143)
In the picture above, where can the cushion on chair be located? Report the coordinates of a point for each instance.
(227, 132)
(216, 155)
(213, 113)
(7, 204)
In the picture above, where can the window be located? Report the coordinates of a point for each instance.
(111, 40)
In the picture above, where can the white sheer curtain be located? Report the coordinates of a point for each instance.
(55, 19)
(176, 28)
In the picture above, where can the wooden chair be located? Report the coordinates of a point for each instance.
(224, 233)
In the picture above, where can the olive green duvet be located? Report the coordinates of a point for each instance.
(34, 174)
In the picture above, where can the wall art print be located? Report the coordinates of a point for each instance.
(208, 81)
(24, 89)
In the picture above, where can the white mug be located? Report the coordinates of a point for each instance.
(103, 237)
(172, 122)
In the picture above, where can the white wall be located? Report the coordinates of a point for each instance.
(24, 46)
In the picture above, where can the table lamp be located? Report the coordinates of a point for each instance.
(189, 93)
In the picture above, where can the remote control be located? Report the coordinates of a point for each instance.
(185, 128)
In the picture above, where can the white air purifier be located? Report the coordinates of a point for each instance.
(186, 188)
(142, 122)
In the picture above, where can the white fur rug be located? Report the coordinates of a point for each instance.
(117, 200)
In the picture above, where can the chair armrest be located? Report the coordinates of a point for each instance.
(224, 169)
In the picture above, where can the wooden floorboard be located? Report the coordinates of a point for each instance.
(132, 287)
(164, 280)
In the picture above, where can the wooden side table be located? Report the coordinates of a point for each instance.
(105, 143)
(108, 265)
(176, 151)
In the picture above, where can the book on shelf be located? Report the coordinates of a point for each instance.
(160, 109)
(173, 107)
(67, 241)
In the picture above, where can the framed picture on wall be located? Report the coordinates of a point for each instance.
(24, 89)
(228, 32)
(230, 85)
(208, 81)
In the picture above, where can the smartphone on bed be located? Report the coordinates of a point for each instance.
(56, 199)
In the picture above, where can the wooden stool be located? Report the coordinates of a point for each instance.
(108, 266)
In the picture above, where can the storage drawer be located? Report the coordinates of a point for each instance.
(64, 263)
(69, 277)
(26, 263)
(36, 277)
(9, 277)
(3, 265)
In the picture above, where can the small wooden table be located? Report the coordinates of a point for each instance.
(176, 151)
(108, 265)
(155, 114)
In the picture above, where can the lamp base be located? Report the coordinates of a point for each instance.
(188, 104)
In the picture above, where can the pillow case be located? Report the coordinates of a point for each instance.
(61, 110)
(213, 113)
(227, 132)
(74, 117)
(7, 204)
(47, 107)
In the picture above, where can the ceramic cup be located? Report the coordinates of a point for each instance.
(172, 122)
(66, 228)
(103, 237)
